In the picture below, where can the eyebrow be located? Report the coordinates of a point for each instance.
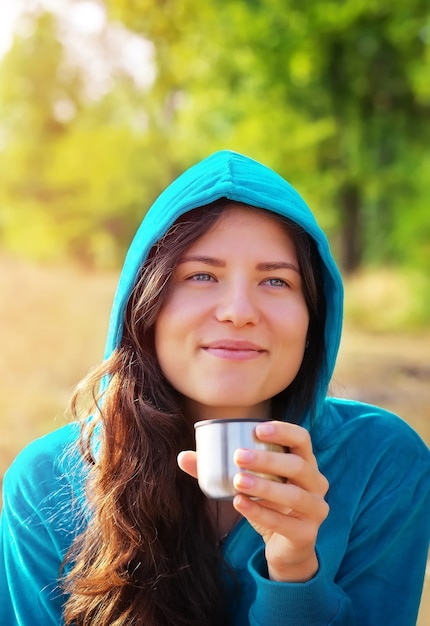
(277, 265)
(264, 267)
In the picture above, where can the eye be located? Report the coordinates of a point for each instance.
(201, 277)
(276, 282)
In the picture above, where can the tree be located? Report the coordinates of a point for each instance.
(34, 86)
(77, 172)
(334, 95)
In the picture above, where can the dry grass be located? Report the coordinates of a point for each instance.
(388, 300)
(53, 324)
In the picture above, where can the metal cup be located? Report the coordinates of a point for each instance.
(216, 442)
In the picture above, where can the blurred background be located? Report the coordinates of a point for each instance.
(102, 104)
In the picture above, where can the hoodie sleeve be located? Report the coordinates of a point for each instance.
(34, 537)
(317, 602)
(379, 577)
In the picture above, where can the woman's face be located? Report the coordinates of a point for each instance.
(232, 332)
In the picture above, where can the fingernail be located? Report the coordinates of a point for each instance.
(265, 429)
(244, 481)
(244, 455)
(241, 502)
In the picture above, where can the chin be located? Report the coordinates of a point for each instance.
(224, 406)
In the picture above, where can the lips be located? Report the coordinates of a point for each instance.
(236, 350)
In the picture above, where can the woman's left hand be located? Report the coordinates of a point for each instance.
(287, 514)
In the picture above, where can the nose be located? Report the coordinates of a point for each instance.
(237, 305)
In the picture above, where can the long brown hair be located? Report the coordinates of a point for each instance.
(149, 555)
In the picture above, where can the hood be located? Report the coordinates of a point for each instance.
(230, 175)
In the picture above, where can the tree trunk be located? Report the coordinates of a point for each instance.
(351, 227)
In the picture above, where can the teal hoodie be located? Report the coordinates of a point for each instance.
(372, 548)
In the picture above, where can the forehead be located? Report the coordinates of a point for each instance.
(238, 222)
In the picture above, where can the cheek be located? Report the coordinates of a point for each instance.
(294, 321)
(168, 338)
(304, 324)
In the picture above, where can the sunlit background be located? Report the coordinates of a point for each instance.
(102, 104)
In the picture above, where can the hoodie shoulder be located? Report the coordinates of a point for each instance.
(369, 430)
(40, 467)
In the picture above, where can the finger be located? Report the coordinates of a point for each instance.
(291, 436)
(258, 513)
(187, 461)
(282, 497)
(289, 467)
(290, 524)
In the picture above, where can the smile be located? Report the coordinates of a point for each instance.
(234, 350)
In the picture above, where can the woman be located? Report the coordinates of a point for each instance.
(229, 305)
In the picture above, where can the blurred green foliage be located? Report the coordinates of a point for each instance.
(334, 96)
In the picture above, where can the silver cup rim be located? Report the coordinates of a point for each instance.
(231, 420)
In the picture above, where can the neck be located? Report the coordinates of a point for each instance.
(225, 517)
(203, 412)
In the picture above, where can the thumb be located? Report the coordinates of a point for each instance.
(187, 461)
